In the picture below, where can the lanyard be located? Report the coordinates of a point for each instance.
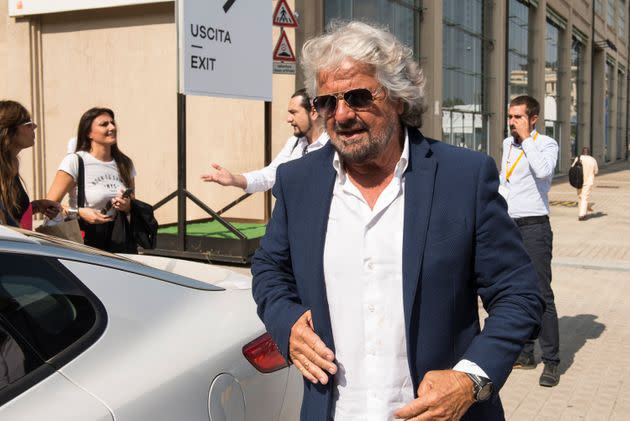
(511, 169)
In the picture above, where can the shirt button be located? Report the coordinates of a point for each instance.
(371, 308)
(370, 265)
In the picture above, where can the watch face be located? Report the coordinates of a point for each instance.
(485, 392)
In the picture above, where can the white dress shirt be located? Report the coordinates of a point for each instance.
(363, 277)
(527, 187)
(264, 178)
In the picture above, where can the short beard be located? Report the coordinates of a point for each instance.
(369, 151)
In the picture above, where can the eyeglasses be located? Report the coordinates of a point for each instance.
(30, 123)
(356, 99)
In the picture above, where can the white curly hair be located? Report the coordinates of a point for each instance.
(392, 61)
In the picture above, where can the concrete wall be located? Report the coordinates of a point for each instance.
(59, 65)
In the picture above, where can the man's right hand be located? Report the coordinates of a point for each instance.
(309, 353)
(224, 177)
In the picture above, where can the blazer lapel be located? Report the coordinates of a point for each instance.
(419, 183)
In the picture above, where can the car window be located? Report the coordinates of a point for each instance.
(44, 303)
(16, 359)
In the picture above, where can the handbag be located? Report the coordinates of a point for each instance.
(68, 230)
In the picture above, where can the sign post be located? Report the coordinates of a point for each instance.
(223, 50)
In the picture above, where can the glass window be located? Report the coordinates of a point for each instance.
(518, 36)
(610, 15)
(610, 85)
(400, 17)
(16, 358)
(41, 300)
(599, 7)
(463, 120)
(552, 79)
(577, 84)
(621, 19)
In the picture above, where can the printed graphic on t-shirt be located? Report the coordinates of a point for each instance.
(108, 182)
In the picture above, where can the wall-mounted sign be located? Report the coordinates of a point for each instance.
(34, 7)
(283, 57)
(225, 48)
(283, 16)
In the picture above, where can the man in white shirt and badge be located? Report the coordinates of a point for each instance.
(527, 168)
(308, 136)
(379, 245)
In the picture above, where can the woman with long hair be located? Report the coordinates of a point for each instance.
(108, 180)
(17, 132)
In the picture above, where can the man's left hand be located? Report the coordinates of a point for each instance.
(442, 395)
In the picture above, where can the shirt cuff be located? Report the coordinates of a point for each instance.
(466, 366)
(249, 178)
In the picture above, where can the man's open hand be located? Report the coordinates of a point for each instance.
(309, 353)
(442, 395)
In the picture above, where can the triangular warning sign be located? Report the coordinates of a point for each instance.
(283, 50)
(283, 16)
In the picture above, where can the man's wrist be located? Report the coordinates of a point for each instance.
(482, 387)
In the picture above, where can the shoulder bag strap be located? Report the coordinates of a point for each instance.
(80, 183)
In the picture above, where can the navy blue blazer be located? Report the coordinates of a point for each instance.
(458, 243)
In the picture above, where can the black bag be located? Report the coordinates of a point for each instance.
(116, 236)
(144, 226)
(576, 174)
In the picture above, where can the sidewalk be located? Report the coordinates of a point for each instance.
(591, 281)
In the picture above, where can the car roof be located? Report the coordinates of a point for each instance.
(15, 240)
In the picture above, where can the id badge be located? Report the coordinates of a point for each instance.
(504, 191)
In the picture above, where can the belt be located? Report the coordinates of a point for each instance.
(531, 220)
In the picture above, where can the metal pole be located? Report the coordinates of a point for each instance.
(267, 155)
(181, 172)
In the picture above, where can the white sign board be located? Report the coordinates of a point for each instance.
(225, 48)
(34, 7)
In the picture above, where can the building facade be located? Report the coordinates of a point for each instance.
(478, 54)
(572, 55)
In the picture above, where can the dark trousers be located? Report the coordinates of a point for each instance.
(538, 240)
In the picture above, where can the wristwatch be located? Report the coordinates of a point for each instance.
(73, 213)
(482, 387)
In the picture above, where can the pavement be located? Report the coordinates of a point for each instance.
(591, 283)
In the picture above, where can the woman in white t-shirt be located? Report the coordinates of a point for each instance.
(108, 174)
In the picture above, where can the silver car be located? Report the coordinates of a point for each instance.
(86, 335)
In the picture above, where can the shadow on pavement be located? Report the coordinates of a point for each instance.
(574, 332)
(595, 215)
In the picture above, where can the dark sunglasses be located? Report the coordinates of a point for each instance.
(356, 99)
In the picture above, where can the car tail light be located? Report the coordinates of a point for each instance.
(263, 354)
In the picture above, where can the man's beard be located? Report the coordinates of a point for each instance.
(298, 132)
(367, 150)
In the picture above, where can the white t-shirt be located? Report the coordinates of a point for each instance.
(102, 180)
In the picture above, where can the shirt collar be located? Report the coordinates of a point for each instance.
(533, 132)
(322, 139)
(401, 166)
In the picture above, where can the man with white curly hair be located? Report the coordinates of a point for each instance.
(380, 243)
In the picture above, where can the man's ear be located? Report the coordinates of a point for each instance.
(533, 120)
(313, 114)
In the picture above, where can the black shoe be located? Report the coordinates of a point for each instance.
(550, 376)
(525, 362)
